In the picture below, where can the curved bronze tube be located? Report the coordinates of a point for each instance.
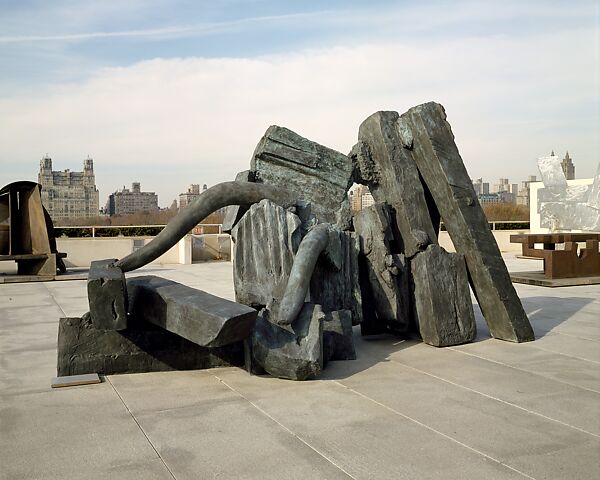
(218, 196)
(310, 248)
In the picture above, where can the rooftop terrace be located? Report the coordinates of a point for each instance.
(403, 409)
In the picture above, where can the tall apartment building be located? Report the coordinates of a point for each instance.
(502, 186)
(360, 198)
(69, 194)
(481, 187)
(524, 191)
(126, 202)
(366, 200)
(192, 194)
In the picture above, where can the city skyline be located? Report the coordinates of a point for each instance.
(188, 192)
(170, 93)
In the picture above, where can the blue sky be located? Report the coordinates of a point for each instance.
(177, 92)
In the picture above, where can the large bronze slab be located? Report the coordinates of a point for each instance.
(392, 176)
(197, 316)
(442, 169)
(314, 172)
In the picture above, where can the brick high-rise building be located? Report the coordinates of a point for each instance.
(67, 194)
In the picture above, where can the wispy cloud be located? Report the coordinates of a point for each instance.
(409, 17)
(168, 122)
(196, 30)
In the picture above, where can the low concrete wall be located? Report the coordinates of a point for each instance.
(502, 238)
(200, 248)
(81, 251)
(211, 247)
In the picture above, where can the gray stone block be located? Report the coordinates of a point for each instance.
(392, 176)
(338, 340)
(141, 347)
(442, 299)
(442, 169)
(384, 273)
(292, 351)
(335, 281)
(197, 316)
(107, 295)
(315, 173)
(266, 240)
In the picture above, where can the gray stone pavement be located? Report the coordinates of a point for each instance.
(402, 410)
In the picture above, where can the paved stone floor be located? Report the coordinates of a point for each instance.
(487, 410)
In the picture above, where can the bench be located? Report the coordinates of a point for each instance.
(567, 263)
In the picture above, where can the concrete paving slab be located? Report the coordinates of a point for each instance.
(73, 307)
(28, 299)
(24, 315)
(27, 371)
(33, 289)
(72, 291)
(158, 391)
(148, 470)
(567, 345)
(366, 438)
(514, 436)
(26, 337)
(563, 402)
(62, 432)
(562, 368)
(231, 439)
(368, 416)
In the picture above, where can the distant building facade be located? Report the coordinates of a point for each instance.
(481, 187)
(489, 198)
(504, 191)
(67, 194)
(126, 202)
(568, 167)
(366, 200)
(192, 194)
(360, 198)
(502, 186)
(524, 192)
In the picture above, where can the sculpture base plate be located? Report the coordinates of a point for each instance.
(540, 280)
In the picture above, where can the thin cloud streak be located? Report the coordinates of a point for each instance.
(198, 30)
(424, 19)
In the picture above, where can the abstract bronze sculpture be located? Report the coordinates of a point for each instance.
(27, 234)
(306, 270)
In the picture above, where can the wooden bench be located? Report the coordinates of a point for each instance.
(567, 263)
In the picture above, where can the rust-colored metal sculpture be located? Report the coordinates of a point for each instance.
(27, 234)
(567, 263)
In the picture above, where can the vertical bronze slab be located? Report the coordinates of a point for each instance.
(14, 223)
(4, 225)
(392, 176)
(31, 208)
(442, 169)
(25, 220)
